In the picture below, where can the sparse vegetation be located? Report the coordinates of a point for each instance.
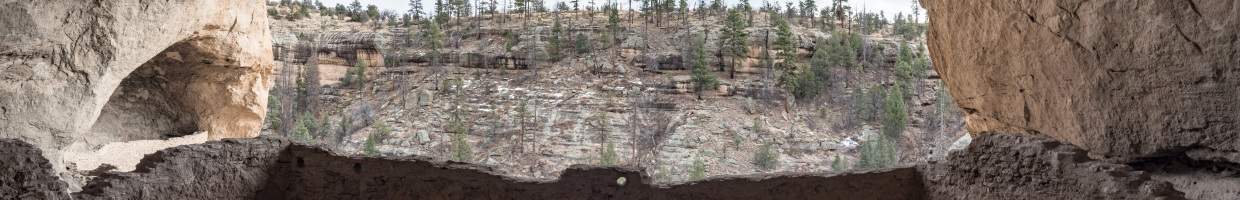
(848, 78)
(766, 158)
(894, 115)
(370, 147)
(735, 40)
(837, 164)
(877, 151)
(698, 170)
(703, 79)
(607, 156)
(356, 76)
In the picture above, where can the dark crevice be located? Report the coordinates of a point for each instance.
(1196, 45)
(1193, 5)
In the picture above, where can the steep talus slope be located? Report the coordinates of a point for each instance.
(61, 62)
(1122, 79)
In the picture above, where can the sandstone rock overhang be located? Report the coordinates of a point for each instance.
(1122, 79)
(204, 65)
(995, 167)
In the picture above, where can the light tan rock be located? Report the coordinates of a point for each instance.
(206, 62)
(1119, 78)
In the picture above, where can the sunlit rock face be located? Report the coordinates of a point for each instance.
(104, 71)
(1121, 79)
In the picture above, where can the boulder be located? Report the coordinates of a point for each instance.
(1121, 79)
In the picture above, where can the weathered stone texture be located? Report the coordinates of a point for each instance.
(1004, 166)
(25, 174)
(1121, 79)
(61, 61)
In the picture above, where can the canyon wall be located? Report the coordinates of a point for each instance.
(143, 69)
(1121, 79)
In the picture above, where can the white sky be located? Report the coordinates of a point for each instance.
(889, 7)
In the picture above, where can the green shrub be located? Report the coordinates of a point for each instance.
(895, 116)
(302, 133)
(766, 158)
(461, 149)
(382, 131)
(703, 78)
(877, 152)
(356, 75)
(607, 157)
(370, 147)
(306, 128)
(583, 43)
(698, 170)
(273, 112)
(838, 164)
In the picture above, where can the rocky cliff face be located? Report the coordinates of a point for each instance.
(140, 69)
(1121, 79)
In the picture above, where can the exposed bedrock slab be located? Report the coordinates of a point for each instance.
(205, 66)
(1120, 78)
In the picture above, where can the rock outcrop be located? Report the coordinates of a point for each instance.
(140, 69)
(1121, 79)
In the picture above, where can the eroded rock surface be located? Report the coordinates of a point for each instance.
(266, 168)
(1003, 166)
(994, 167)
(1121, 79)
(26, 174)
(61, 62)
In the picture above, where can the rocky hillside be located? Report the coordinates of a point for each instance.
(530, 98)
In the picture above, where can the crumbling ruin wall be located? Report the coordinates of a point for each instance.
(994, 167)
(229, 169)
(26, 174)
(1119, 78)
(266, 168)
(62, 61)
(311, 173)
(1006, 166)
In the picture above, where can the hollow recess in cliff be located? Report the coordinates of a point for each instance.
(173, 94)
